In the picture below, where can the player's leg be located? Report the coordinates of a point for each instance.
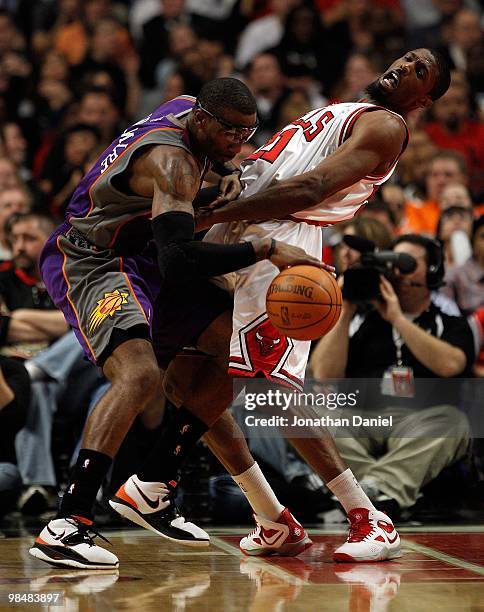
(112, 326)
(203, 385)
(277, 531)
(143, 497)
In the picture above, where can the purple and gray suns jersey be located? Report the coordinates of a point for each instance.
(109, 218)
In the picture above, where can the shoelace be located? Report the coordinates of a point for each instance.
(172, 509)
(359, 530)
(83, 534)
(255, 531)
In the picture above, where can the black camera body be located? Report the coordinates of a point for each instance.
(362, 281)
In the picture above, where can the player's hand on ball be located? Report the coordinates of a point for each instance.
(285, 255)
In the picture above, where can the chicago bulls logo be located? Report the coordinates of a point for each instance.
(265, 345)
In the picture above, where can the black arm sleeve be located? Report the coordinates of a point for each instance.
(180, 256)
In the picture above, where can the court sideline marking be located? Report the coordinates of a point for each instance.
(444, 557)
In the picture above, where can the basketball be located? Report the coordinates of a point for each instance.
(304, 302)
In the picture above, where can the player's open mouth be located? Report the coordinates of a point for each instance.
(390, 80)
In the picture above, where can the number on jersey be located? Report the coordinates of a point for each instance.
(271, 150)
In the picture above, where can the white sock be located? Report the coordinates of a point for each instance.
(348, 492)
(259, 494)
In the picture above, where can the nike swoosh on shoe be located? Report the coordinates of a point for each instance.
(154, 504)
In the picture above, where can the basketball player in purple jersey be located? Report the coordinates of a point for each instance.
(99, 271)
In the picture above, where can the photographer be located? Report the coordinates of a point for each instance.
(404, 338)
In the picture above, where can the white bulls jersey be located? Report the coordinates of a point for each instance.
(301, 146)
(256, 347)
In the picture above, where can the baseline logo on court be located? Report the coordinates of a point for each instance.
(107, 306)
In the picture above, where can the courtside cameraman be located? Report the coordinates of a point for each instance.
(401, 341)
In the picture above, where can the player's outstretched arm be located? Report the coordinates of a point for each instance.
(176, 178)
(373, 147)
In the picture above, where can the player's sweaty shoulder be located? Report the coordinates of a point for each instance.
(174, 170)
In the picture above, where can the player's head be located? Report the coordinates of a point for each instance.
(414, 80)
(224, 117)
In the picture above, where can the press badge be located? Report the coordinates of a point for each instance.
(398, 381)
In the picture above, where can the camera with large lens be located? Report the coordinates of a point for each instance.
(362, 281)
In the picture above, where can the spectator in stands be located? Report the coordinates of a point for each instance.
(394, 196)
(14, 402)
(72, 37)
(13, 201)
(455, 194)
(413, 166)
(30, 321)
(404, 330)
(453, 128)
(295, 104)
(9, 177)
(429, 21)
(66, 165)
(349, 34)
(454, 231)
(15, 148)
(111, 53)
(181, 39)
(155, 39)
(465, 32)
(100, 109)
(465, 283)
(263, 33)
(445, 167)
(300, 50)
(379, 209)
(15, 66)
(359, 71)
(266, 81)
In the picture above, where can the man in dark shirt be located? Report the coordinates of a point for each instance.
(29, 320)
(397, 347)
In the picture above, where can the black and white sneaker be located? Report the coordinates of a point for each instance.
(68, 542)
(152, 506)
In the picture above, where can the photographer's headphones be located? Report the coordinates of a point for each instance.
(435, 258)
(435, 267)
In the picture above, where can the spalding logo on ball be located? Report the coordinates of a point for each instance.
(304, 302)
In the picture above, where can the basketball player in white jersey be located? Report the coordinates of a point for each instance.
(317, 171)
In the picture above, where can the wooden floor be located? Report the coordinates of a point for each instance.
(442, 570)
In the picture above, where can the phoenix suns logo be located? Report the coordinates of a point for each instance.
(106, 307)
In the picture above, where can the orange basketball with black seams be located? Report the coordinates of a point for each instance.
(304, 302)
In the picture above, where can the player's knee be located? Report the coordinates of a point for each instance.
(138, 382)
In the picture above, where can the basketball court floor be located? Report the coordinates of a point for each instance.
(442, 570)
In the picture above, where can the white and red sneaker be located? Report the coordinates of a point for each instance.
(372, 537)
(284, 537)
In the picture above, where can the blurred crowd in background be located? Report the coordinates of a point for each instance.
(75, 73)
